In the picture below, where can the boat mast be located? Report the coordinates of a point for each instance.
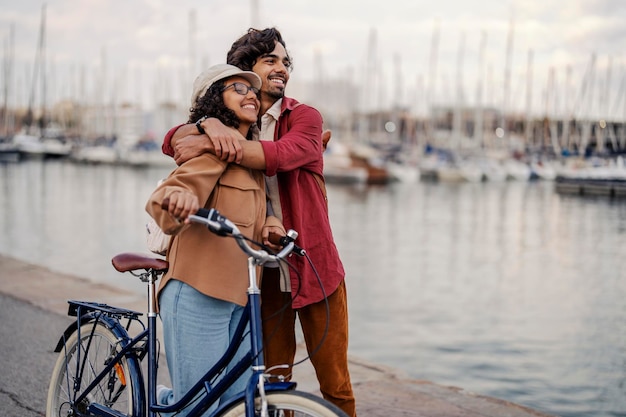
(457, 121)
(255, 16)
(551, 99)
(8, 79)
(607, 108)
(529, 98)
(587, 98)
(192, 46)
(39, 61)
(507, 81)
(398, 105)
(371, 70)
(432, 81)
(567, 112)
(42, 121)
(615, 112)
(479, 115)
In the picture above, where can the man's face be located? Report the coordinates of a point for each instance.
(273, 69)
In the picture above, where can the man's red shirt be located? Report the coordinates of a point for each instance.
(295, 156)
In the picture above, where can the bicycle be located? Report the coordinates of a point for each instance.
(98, 371)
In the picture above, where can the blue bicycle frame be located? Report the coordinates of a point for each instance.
(202, 394)
(254, 358)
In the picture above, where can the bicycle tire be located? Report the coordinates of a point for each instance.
(289, 404)
(115, 391)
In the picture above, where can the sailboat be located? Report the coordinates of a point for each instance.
(43, 141)
(459, 166)
(8, 150)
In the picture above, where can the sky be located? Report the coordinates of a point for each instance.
(149, 51)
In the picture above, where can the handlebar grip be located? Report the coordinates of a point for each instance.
(202, 212)
(277, 239)
(220, 224)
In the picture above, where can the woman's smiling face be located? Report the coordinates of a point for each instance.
(245, 106)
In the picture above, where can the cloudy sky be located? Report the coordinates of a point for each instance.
(146, 50)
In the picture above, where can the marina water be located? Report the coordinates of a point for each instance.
(503, 289)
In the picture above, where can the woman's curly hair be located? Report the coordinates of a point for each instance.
(212, 105)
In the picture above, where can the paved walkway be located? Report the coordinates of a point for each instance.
(380, 391)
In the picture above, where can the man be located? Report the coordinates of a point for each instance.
(290, 153)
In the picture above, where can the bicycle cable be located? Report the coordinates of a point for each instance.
(288, 304)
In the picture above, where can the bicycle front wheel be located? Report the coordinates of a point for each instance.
(83, 360)
(289, 404)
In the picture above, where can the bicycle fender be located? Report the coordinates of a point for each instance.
(270, 387)
(280, 386)
(111, 324)
(71, 329)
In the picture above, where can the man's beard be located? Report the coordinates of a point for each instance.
(276, 94)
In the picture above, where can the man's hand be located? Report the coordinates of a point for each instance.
(191, 146)
(225, 140)
(276, 231)
(325, 138)
(220, 140)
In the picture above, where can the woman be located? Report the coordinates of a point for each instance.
(202, 296)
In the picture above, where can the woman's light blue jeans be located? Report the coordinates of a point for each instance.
(197, 330)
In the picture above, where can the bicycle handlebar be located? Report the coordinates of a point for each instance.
(221, 226)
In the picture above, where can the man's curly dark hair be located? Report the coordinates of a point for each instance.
(245, 51)
(212, 105)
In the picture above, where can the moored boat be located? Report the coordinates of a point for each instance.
(9, 152)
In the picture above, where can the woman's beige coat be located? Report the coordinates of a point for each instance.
(212, 264)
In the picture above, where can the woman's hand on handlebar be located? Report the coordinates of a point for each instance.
(181, 204)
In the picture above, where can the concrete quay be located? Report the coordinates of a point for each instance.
(33, 291)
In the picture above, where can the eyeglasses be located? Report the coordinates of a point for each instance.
(241, 88)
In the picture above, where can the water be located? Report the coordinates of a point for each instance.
(508, 290)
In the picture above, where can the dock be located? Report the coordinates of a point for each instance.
(584, 186)
(380, 391)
